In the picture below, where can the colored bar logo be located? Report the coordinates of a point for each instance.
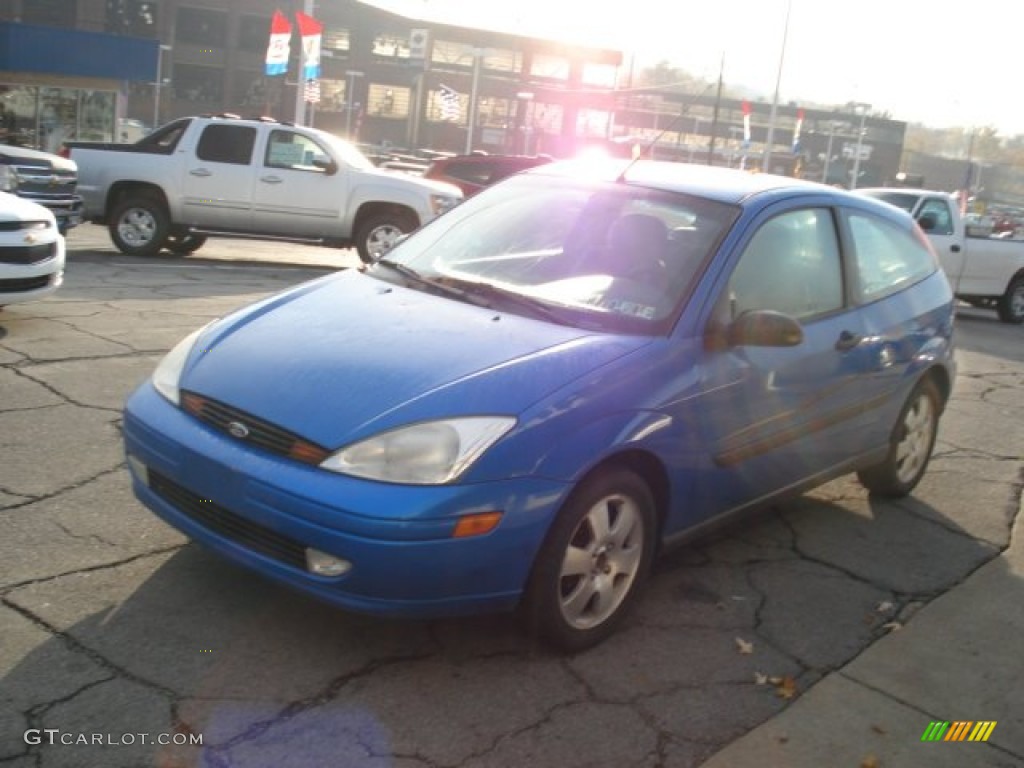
(959, 730)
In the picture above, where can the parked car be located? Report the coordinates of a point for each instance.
(471, 173)
(31, 251)
(44, 178)
(530, 397)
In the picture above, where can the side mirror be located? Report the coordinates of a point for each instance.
(927, 221)
(325, 163)
(765, 328)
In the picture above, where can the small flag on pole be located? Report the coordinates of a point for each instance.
(310, 31)
(451, 108)
(746, 123)
(278, 49)
(796, 131)
(312, 92)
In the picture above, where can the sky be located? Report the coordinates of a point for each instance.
(943, 64)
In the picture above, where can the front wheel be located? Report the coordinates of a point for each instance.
(1011, 304)
(139, 226)
(593, 562)
(910, 445)
(379, 233)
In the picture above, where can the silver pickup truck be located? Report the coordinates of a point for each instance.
(42, 178)
(226, 176)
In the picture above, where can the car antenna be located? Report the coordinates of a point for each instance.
(638, 151)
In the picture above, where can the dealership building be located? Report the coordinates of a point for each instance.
(393, 81)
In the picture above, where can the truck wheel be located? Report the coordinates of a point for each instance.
(139, 226)
(184, 244)
(593, 562)
(1011, 304)
(910, 445)
(378, 234)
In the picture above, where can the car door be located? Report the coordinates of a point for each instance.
(298, 190)
(936, 212)
(772, 417)
(218, 178)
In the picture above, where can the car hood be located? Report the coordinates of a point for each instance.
(23, 155)
(349, 355)
(14, 208)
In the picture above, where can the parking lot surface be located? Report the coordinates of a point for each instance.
(125, 645)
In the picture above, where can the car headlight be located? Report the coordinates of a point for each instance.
(441, 203)
(431, 453)
(168, 371)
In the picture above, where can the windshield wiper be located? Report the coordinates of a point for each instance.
(421, 281)
(491, 295)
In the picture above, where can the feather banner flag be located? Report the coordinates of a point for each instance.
(746, 123)
(796, 131)
(311, 32)
(451, 108)
(279, 47)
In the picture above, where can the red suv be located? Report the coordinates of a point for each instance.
(471, 173)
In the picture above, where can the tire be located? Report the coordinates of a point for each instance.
(184, 244)
(139, 226)
(593, 563)
(379, 233)
(910, 445)
(1011, 304)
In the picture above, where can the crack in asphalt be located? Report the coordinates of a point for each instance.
(68, 400)
(120, 467)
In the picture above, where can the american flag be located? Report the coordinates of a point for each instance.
(451, 108)
(312, 92)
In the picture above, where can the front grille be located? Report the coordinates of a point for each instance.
(19, 225)
(46, 183)
(259, 433)
(27, 254)
(24, 284)
(225, 523)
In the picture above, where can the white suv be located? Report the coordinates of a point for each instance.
(31, 251)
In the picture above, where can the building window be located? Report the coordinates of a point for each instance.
(438, 110)
(494, 113)
(388, 101)
(332, 96)
(335, 39)
(53, 13)
(198, 84)
(198, 26)
(391, 46)
(133, 18)
(501, 60)
(552, 67)
(444, 52)
(254, 33)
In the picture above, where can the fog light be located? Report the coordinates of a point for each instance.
(322, 564)
(140, 470)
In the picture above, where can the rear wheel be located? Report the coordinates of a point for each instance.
(1011, 304)
(379, 233)
(910, 445)
(594, 561)
(139, 226)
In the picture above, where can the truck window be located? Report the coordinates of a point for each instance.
(940, 210)
(287, 149)
(164, 139)
(227, 144)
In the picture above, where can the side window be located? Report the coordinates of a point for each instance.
(791, 265)
(227, 144)
(939, 209)
(287, 149)
(475, 171)
(887, 257)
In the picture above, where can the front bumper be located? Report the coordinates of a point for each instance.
(264, 511)
(21, 282)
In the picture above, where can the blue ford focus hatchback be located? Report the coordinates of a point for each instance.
(525, 401)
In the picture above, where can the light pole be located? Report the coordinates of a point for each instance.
(766, 161)
(828, 151)
(159, 81)
(860, 141)
(473, 93)
(350, 85)
(696, 131)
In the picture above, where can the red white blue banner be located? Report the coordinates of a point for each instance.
(279, 48)
(311, 32)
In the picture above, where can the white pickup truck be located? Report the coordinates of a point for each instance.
(225, 176)
(983, 271)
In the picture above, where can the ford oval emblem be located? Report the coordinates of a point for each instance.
(238, 429)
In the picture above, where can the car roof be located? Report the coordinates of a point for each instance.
(727, 185)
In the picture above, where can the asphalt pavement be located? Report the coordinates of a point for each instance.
(835, 631)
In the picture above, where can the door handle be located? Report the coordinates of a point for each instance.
(271, 179)
(848, 340)
(955, 248)
(200, 172)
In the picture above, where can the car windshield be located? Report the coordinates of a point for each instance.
(592, 254)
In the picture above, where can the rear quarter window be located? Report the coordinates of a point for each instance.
(887, 257)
